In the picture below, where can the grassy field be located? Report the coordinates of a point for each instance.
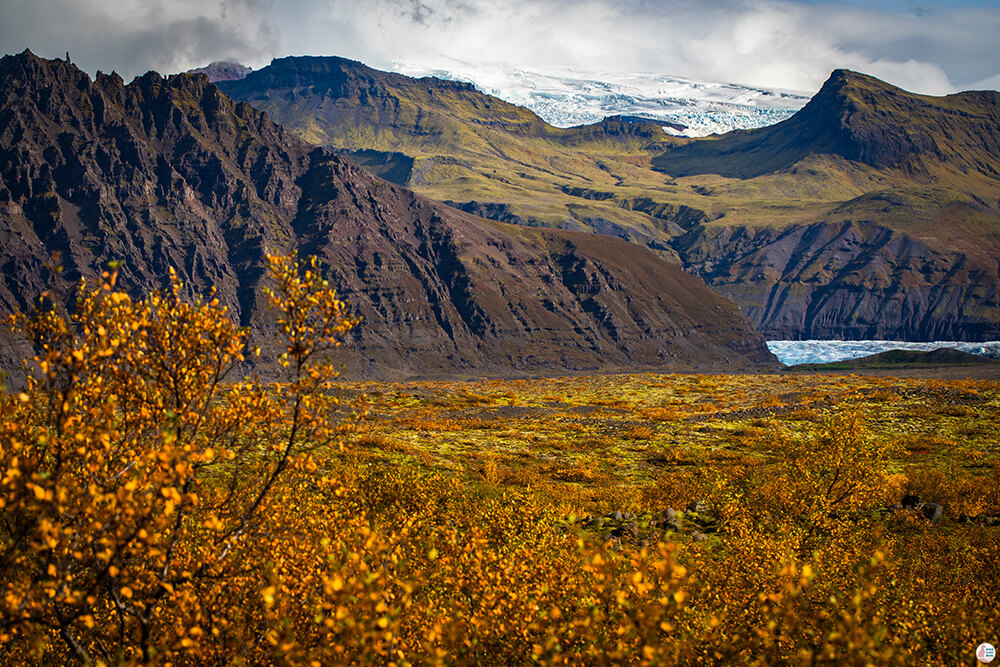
(799, 552)
(637, 442)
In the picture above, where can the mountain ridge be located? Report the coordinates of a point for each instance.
(871, 212)
(570, 96)
(171, 172)
(856, 117)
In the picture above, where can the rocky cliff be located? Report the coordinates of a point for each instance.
(846, 281)
(171, 172)
(912, 249)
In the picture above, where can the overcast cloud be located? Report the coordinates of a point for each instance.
(930, 48)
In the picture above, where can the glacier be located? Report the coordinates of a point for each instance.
(567, 96)
(792, 352)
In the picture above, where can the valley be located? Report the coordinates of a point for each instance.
(549, 447)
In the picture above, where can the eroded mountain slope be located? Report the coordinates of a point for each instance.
(171, 172)
(871, 212)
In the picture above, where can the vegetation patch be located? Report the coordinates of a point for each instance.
(154, 512)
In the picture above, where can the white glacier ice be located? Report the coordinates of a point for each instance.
(568, 96)
(791, 352)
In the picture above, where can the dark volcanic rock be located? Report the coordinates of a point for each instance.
(845, 281)
(932, 512)
(490, 210)
(171, 172)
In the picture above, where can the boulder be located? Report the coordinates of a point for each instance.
(670, 522)
(932, 512)
(697, 507)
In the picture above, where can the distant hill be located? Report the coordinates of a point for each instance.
(884, 216)
(870, 213)
(222, 71)
(171, 172)
(901, 359)
(863, 120)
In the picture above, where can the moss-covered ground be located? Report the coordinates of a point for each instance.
(595, 436)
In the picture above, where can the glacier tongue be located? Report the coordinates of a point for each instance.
(568, 96)
(792, 352)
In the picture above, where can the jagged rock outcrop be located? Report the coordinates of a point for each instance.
(171, 172)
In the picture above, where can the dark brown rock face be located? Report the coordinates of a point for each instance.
(846, 281)
(915, 256)
(865, 165)
(171, 172)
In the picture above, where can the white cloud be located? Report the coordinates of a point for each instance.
(989, 83)
(775, 43)
(772, 43)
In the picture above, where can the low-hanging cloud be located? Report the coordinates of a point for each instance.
(134, 36)
(775, 43)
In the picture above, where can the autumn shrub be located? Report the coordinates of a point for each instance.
(136, 482)
(811, 484)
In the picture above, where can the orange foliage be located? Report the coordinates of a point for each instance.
(135, 483)
(151, 512)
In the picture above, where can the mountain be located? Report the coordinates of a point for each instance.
(565, 97)
(451, 142)
(867, 121)
(171, 172)
(870, 213)
(222, 70)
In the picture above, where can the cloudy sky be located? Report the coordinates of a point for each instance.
(930, 47)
